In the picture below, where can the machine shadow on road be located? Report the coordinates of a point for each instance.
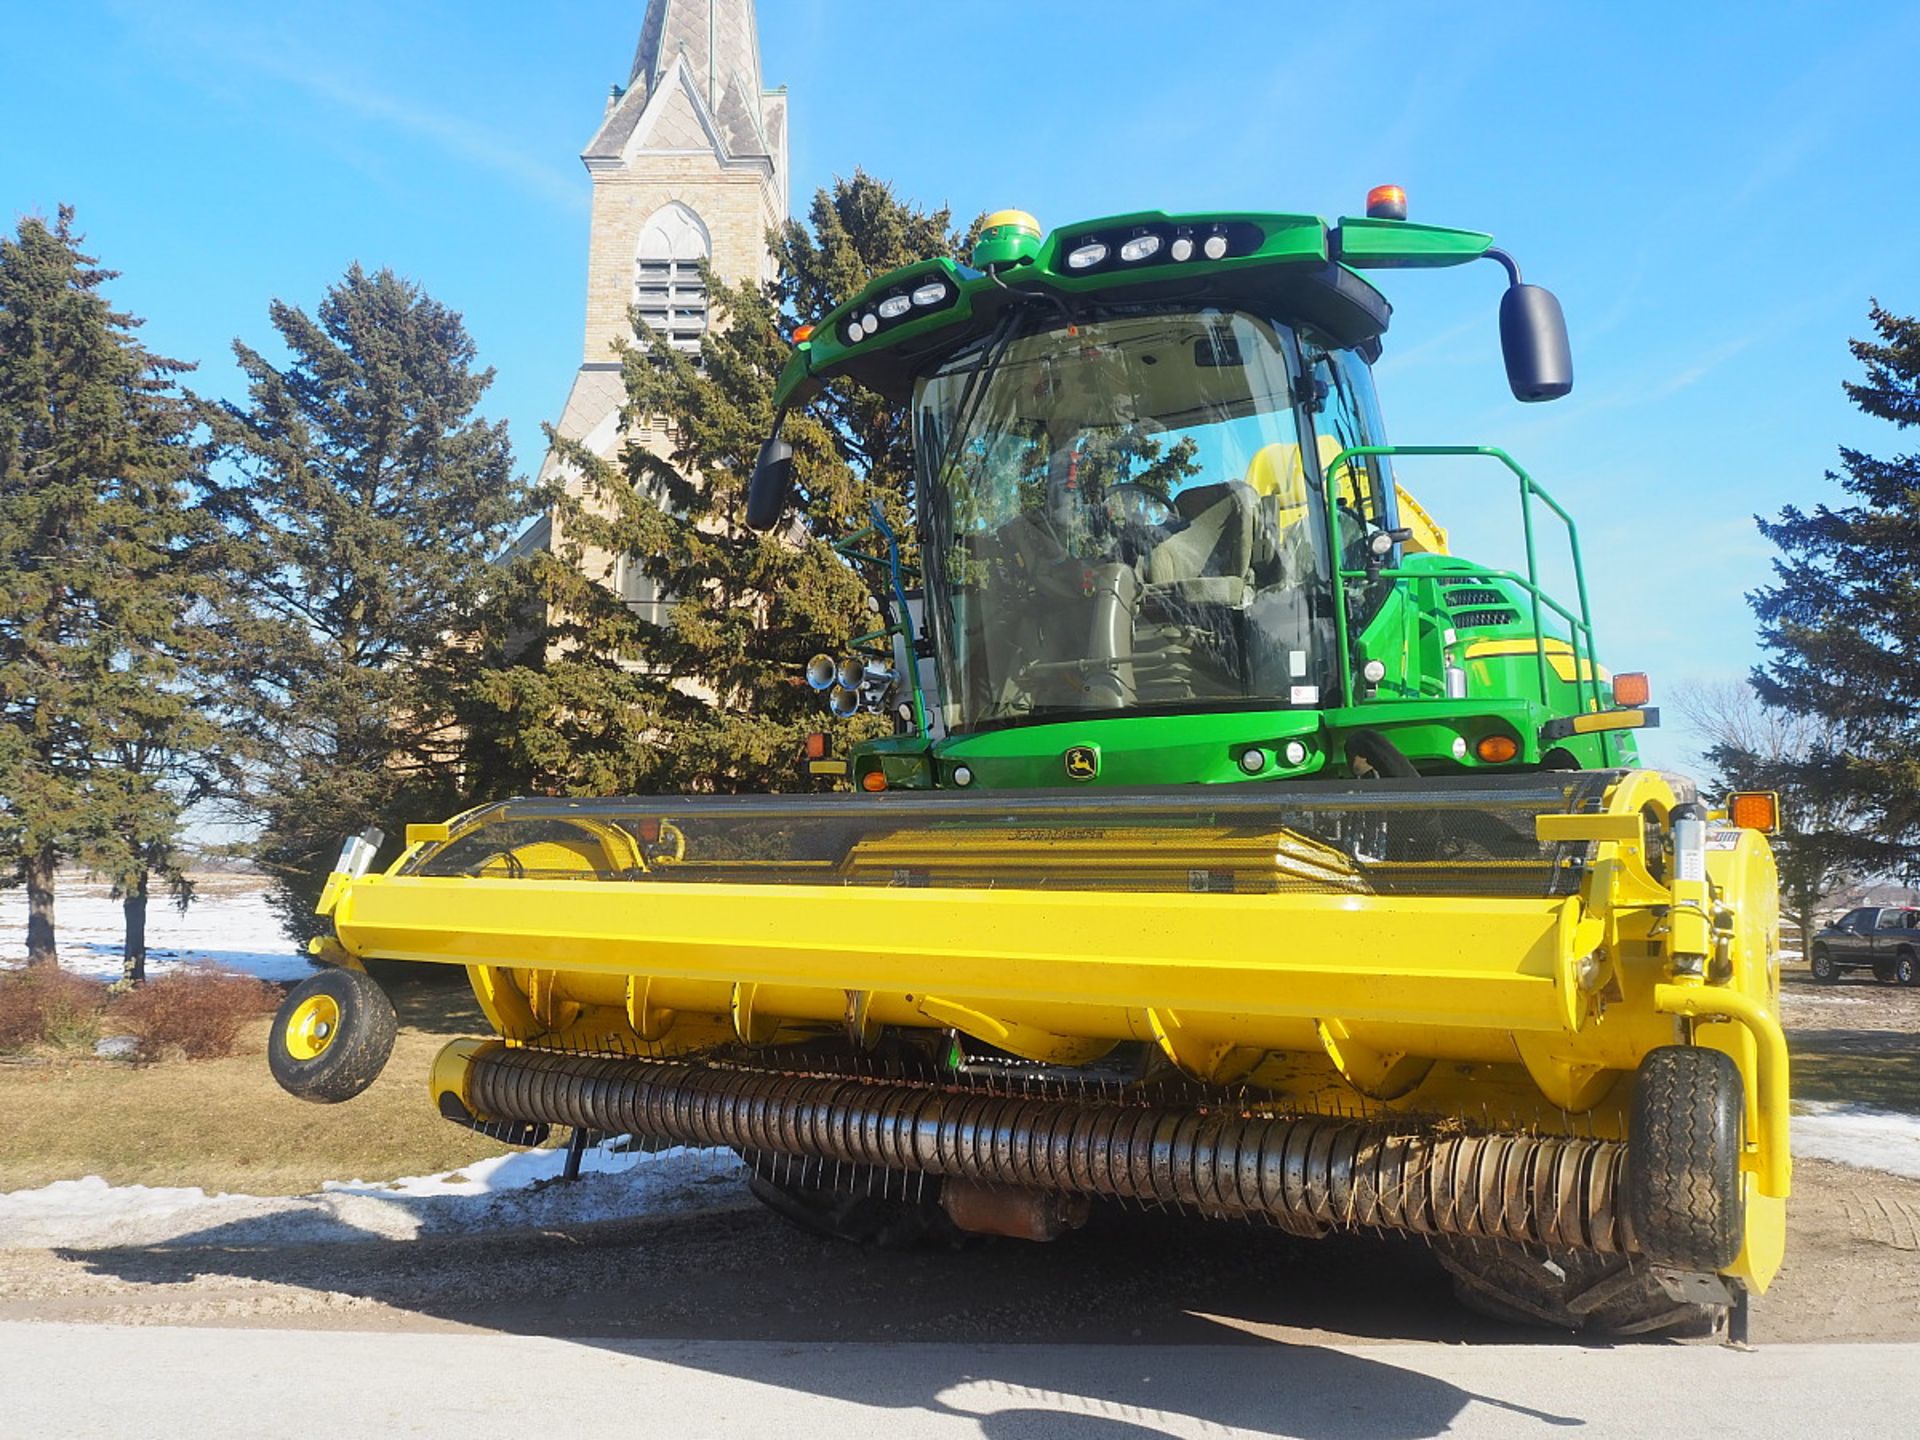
(1038, 1392)
(1000, 1332)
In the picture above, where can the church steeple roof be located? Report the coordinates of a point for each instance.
(719, 44)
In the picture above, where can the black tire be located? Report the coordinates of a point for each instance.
(331, 1036)
(1683, 1158)
(1905, 969)
(1370, 751)
(1571, 1290)
(1823, 967)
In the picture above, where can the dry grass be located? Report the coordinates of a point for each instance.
(225, 1125)
(1857, 1042)
(1856, 1068)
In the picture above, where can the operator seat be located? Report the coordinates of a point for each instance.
(1200, 580)
(1211, 561)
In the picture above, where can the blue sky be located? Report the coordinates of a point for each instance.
(1714, 191)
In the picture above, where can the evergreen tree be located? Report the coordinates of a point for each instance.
(153, 758)
(705, 692)
(103, 563)
(1842, 622)
(368, 498)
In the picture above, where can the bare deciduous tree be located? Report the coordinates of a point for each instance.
(1751, 746)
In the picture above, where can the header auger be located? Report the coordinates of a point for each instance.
(1239, 848)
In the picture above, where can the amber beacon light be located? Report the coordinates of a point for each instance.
(1386, 202)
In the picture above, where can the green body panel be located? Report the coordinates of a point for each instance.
(829, 344)
(1408, 635)
(1136, 750)
(1289, 240)
(1368, 244)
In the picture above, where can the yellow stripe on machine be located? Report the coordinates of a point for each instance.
(1558, 652)
(1608, 720)
(1596, 722)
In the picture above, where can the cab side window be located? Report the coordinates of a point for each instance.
(1339, 392)
(1346, 416)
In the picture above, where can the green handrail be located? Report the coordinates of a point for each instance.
(1580, 627)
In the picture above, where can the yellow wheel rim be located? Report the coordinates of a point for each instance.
(312, 1026)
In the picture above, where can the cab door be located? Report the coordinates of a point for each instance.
(1854, 938)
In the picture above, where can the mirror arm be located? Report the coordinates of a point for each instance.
(1511, 265)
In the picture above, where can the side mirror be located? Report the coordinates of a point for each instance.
(772, 482)
(1533, 338)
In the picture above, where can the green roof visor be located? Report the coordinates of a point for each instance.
(1368, 244)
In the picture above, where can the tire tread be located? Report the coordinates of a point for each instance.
(1567, 1290)
(1683, 1158)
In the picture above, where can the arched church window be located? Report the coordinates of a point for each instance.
(668, 290)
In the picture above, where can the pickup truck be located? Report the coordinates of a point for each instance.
(1882, 938)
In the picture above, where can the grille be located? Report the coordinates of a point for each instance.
(1482, 596)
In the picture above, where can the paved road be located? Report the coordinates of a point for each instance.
(206, 1384)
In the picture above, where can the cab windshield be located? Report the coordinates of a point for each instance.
(1117, 518)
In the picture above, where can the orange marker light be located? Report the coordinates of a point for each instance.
(803, 334)
(1386, 202)
(1754, 810)
(816, 746)
(1497, 749)
(873, 781)
(1631, 688)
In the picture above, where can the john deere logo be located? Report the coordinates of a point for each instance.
(1082, 762)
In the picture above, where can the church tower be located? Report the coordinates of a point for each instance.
(689, 164)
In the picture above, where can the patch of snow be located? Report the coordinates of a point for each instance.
(1858, 1135)
(230, 927)
(504, 1192)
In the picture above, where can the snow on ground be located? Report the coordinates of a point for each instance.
(228, 926)
(1858, 1135)
(507, 1192)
